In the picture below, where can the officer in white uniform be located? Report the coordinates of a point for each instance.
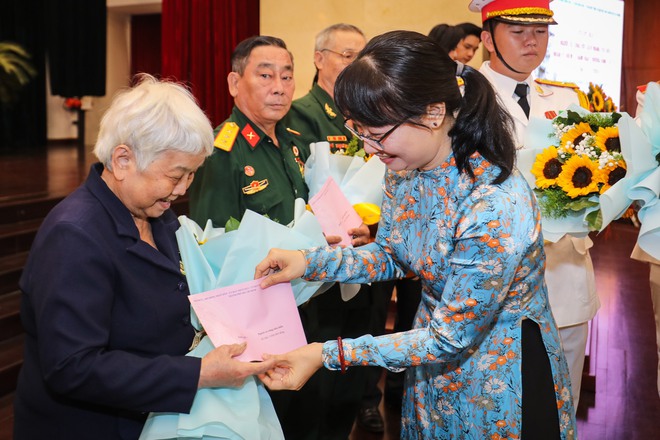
(515, 32)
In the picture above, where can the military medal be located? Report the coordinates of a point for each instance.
(249, 171)
(255, 186)
(295, 151)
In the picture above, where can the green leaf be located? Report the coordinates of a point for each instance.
(595, 220)
(232, 224)
(580, 203)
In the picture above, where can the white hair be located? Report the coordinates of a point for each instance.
(151, 118)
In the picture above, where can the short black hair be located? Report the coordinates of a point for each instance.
(470, 29)
(446, 36)
(243, 50)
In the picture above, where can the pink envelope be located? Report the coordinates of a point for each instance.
(334, 212)
(267, 319)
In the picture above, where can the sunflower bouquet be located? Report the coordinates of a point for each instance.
(582, 166)
(588, 161)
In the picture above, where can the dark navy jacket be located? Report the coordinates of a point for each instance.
(107, 325)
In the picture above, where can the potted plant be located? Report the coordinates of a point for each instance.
(15, 71)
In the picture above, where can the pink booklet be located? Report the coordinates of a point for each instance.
(267, 319)
(334, 212)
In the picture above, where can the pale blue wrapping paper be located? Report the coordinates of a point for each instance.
(614, 202)
(647, 190)
(224, 259)
(359, 181)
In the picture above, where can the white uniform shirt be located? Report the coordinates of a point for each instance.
(569, 271)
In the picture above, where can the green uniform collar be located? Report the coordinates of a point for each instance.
(326, 102)
(253, 134)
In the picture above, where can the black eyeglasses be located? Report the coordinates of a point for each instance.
(347, 56)
(376, 143)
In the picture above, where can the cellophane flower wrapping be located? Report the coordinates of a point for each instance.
(214, 258)
(581, 166)
(360, 180)
(647, 189)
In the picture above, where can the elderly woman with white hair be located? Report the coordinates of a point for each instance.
(104, 302)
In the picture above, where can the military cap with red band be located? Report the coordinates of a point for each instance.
(514, 11)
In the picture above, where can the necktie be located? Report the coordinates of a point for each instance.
(521, 93)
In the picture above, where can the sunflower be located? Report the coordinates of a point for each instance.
(576, 135)
(597, 101)
(579, 177)
(609, 105)
(612, 173)
(607, 139)
(547, 167)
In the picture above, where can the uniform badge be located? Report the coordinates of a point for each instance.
(329, 111)
(336, 138)
(255, 186)
(292, 131)
(226, 136)
(550, 114)
(541, 91)
(295, 150)
(250, 135)
(301, 166)
(249, 171)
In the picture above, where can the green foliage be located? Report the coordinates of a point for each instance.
(555, 203)
(595, 220)
(354, 148)
(232, 224)
(595, 120)
(15, 71)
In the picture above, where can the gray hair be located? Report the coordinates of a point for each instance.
(151, 118)
(324, 37)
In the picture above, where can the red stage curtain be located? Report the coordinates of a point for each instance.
(145, 36)
(198, 38)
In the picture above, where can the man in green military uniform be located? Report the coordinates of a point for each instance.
(258, 163)
(315, 115)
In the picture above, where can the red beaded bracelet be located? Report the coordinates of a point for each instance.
(342, 361)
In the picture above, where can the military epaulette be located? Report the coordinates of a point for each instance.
(226, 137)
(292, 131)
(548, 82)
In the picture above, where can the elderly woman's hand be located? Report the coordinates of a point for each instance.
(292, 370)
(220, 369)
